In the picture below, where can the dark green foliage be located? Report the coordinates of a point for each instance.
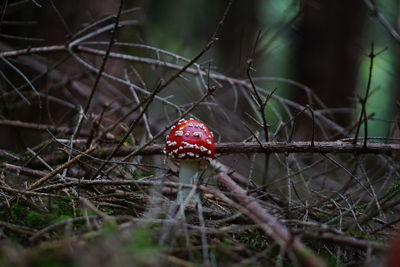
(58, 210)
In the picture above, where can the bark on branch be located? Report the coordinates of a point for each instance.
(269, 223)
(283, 147)
(253, 147)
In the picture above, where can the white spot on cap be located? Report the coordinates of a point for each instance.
(190, 154)
(187, 133)
(178, 133)
(203, 149)
(208, 141)
(171, 143)
(198, 134)
(181, 155)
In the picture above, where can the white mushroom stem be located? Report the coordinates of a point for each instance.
(189, 173)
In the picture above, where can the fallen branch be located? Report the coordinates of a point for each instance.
(269, 223)
(250, 148)
(39, 127)
(278, 147)
(59, 169)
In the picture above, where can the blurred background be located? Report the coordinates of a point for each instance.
(321, 44)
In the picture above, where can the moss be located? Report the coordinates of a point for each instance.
(360, 207)
(274, 254)
(362, 235)
(321, 216)
(139, 174)
(59, 156)
(59, 209)
(392, 192)
(219, 251)
(143, 246)
(305, 251)
(142, 241)
(107, 210)
(19, 214)
(109, 227)
(396, 186)
(49, 258)
(330, 259)
(255, 239)
(64, 206)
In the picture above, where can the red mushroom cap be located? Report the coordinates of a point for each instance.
(190, 139)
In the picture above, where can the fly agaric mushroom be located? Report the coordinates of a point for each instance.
(190, 143)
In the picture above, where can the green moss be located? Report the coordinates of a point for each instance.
(396, 187)
(219, 251)
(107, 210)
(19, 214)
(305, 251)
(59, 156)
(58, 210)
(142, 240)
(49, 258)
(227, 242)
(109, 227)
(361, 207)
(331, 260)
(139, 174)
(273, 254)
(103, 151)
(321, 216)
(142, 244)
(362, 235)
(64, 206)
(255, 239)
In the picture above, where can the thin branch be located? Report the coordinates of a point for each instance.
(39, 127)
(99, 74)
(363, 101)
(59, 169)
(382, 19)
(148, 101)
(254, 147)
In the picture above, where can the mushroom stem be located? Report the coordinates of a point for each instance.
(188, 174)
